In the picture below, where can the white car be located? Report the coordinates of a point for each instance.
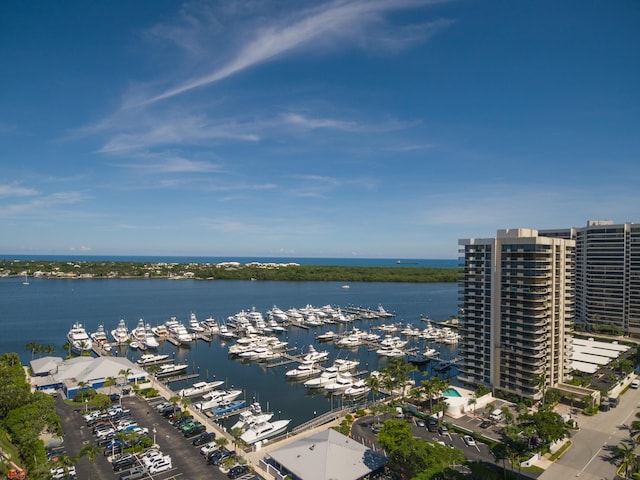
(161, 465)
(209, 447)
(469, 441)
(104, 431)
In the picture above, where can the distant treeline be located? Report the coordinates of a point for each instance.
(308, 273)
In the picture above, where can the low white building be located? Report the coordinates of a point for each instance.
(66, 375)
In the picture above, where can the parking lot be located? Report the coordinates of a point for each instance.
(186, 460)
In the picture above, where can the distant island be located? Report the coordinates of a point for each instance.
(223, 271)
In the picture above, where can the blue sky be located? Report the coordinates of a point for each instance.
(310, 128)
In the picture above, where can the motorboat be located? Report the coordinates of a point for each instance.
(304, 370)
(199, 388)
(357, 389)
(149, 338)
(138, 333)
(214, 398)
(194, 324)
(150, 359)
(264, 430)
(171, 369)
(392, 352)
(227, 406)
(178, 331)
(325, 378)
(340, 384)
(78, 338)
(326, 336)
(344, 365)
(225, 333)
(121, 333)
(251, 417)
(314, 355)
(99, 337)
(160, 331)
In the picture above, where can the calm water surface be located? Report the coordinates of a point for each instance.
(44, 311)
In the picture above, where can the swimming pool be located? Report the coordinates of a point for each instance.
(452, 392)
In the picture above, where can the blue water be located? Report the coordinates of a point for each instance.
(351, 262)
(44, 311)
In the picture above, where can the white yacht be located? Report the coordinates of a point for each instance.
(194, 324)
(160, 331)
(304, 370)
(150, 359)
(325, 378)
(171, 369)
(100, 338)
(264, 430)
(250, 417)
(78, 338)
(199, 388)
(121, 333)
(340, 384)
(214, 398)
(358, 389)
(138, 333)
(178, 331)
(314, 355)
(149, 338)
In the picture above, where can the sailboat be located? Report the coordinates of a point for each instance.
(26, 280)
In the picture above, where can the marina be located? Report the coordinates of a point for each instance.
(157, 301)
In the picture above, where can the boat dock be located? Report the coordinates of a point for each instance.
(178, 378)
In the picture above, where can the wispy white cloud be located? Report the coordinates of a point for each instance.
(331, 22)
(42, 203)
(15, 190)
(172, 164)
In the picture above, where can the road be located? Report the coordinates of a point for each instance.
(590, 456)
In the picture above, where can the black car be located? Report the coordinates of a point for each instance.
(124, 462)
(485, 424)
(219, 459)
(238, 471)
(195, 430)
(215, 456)
(203, 438)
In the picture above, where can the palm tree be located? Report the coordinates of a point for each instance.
(472, 401)
(174, 400)
(125, 374)
(33, 346)
(90, 451)
(373, 382)
(67, 346)
(49, 349)
(110, 382)
(627, 454)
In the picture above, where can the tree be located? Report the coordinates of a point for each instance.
(125, 374)
(110, 382)
(373, 382)
(627, 455)
(67, 346)
(90, 451)
(174, 400)
(32, 346)
(472, 402)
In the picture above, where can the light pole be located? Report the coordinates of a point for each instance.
(86, 405)
(154, 435)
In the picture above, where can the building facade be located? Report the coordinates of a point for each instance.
(607, 274)
(517, 304)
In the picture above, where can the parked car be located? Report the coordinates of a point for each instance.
(135, 473)
(208, 448)
(195, 430)
(203, 438)
(221, 457)
(485, 424)
(238, 471)
(124, 462)
(420, 422)
(161, 465)
(443, 430)
(468, 439)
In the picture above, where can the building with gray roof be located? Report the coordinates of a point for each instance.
(326, 455)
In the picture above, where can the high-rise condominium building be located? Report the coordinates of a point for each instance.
(516, 309)
(607, 273)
